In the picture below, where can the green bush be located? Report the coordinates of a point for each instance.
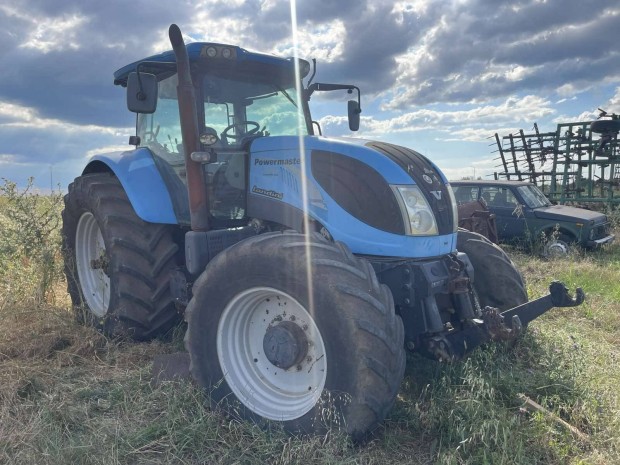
(30, 243)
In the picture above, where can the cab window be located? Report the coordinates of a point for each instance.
(161, 131)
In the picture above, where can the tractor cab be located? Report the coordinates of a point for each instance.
(237, 97)
(240, 96)
(232, 112)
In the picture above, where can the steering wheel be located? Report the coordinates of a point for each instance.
(240, 125)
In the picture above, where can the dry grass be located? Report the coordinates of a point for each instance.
(69, 395)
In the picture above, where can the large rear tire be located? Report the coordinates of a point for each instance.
(296, 330)
(117, 266)
(497, 281)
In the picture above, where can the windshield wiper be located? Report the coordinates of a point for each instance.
(287, 95)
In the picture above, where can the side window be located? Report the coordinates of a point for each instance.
(511, 199)
(499, 197)
(161, 131)
(464, 194)
(216, 116)
(488, 194)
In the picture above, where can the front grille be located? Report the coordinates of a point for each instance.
(599, 231)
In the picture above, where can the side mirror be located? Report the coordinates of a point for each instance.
(354, 115)
(141, 92)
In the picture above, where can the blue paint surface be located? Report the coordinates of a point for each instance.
(143, 184)
(276, 171)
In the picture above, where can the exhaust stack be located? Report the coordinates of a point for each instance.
(196, 187)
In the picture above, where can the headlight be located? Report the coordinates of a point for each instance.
(417, 214)
(454, 206)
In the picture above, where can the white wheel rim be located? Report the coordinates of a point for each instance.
(269, 391)
(89, 254)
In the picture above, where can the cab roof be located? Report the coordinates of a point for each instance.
(165, 63)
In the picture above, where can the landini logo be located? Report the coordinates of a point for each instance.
(267, 193)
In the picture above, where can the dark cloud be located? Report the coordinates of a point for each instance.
(75, 83)
(375, 36)
(412, 55)
(551, 45)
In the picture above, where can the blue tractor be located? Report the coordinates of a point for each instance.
(304, 266)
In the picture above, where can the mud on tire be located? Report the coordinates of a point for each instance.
(351, 361)
(117, 266)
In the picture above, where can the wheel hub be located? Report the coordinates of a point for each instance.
(260, 328)
(285, 345)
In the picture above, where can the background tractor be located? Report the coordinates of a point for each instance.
(305, 266)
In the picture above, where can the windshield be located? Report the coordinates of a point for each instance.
(533, 197)
(238, 108)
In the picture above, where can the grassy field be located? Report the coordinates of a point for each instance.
(70, 396)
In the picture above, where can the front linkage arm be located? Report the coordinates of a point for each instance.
(504, 326)
(558, 297)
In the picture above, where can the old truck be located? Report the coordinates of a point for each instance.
(523, 213)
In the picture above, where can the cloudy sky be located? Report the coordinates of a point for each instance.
(439, 76)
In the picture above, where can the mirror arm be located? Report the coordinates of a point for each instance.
(140, 95)
(313, 72)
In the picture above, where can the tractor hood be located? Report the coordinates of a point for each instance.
(566, 213)
(352, 190)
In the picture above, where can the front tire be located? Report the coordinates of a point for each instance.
(497, 281)
(558, 245)
(117, 266)
(272, 341)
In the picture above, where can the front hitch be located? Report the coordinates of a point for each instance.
(558, 297)
(496, 326)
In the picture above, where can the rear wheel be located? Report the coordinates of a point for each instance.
(497, 281)
(294, 329)
(117, 266)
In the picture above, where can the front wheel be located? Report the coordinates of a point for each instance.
(296, 330)
(557, 245)
(497, 281)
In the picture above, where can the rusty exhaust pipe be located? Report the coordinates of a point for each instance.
(196, 186)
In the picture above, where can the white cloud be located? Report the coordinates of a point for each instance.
(55, 34)
(106, 149)
(21, 117)
(10, 159)
(474, 125)
(325, 42)
(567, 90)
(614, 103)
(459, 168)
(562, 100)
(419, 7)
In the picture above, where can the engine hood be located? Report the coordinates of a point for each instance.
(566, 213)
(397, 164)
(349, 190)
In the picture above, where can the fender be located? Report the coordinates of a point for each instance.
(142, 181)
